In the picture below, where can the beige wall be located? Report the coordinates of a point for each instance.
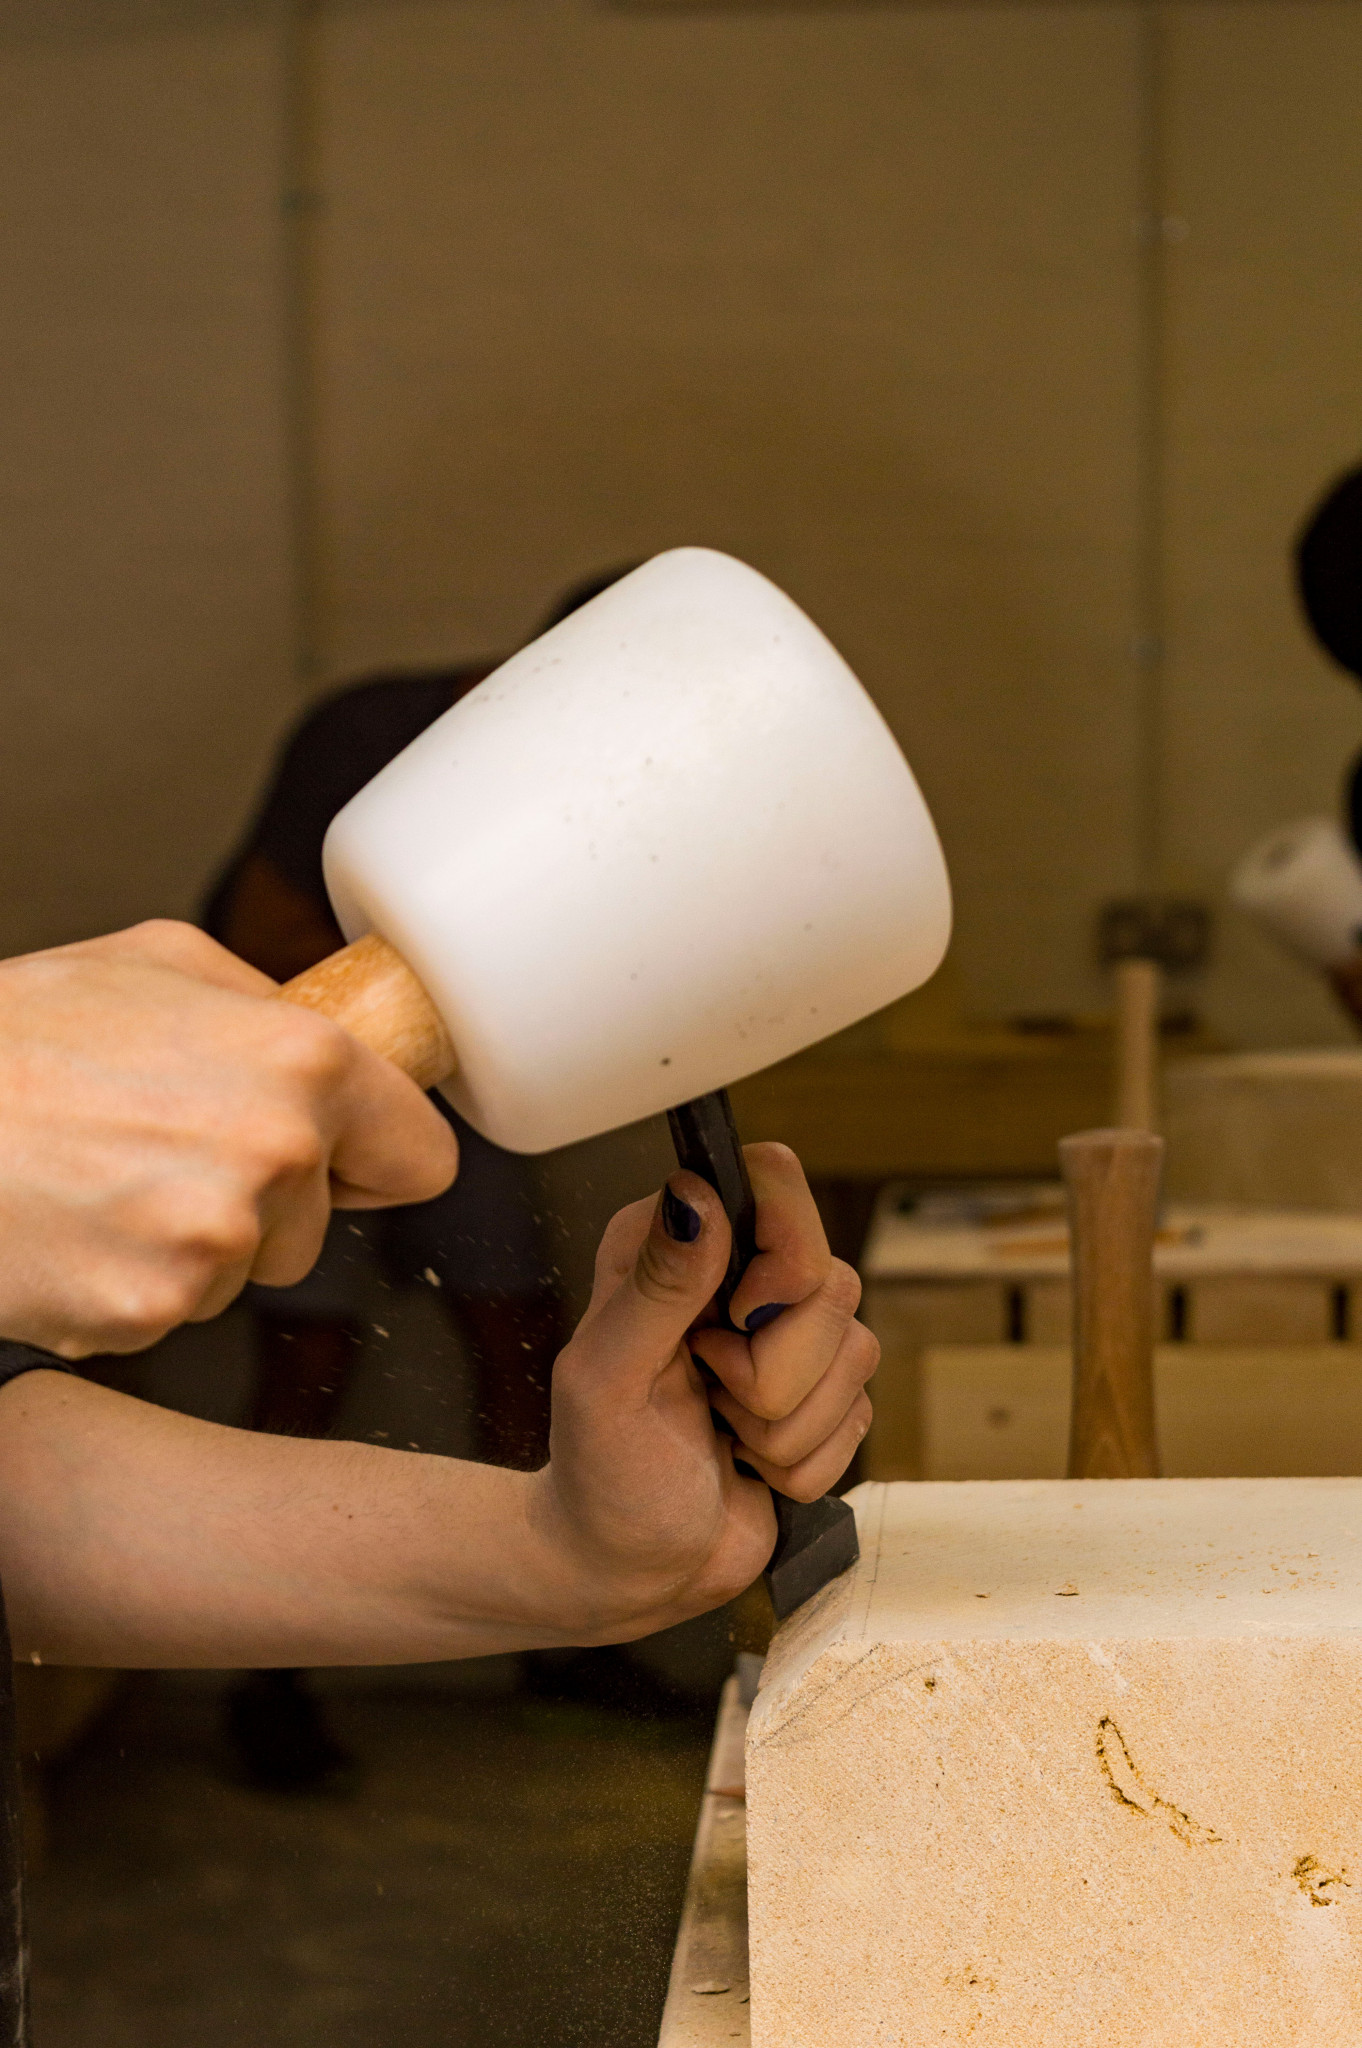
(145, 635)
(850, 294)
(1264, 379)
(853, 292)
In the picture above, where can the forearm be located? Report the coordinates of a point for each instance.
(133, 1536)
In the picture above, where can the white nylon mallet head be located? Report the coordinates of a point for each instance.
(668, 843)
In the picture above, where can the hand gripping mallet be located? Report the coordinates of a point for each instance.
(668, 843)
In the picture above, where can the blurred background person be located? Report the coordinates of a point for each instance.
(483, 1244)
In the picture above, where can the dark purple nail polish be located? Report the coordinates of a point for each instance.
(767, 1313)
(679, 1220)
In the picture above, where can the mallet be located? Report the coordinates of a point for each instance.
(1303, 884)
(668, 843)
(1141, 939)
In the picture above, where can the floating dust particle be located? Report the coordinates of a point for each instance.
(379, 1330)
(34, 1658)
(432, 1277)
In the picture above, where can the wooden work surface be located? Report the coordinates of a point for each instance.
(975, 1102)
(920, 1091)
(707, 1997)
(1225, 1411)
(1027, 1238)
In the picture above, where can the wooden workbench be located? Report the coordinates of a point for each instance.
(917, 1094)
(1261, 1312)
(707, 1997)
(947, 1106)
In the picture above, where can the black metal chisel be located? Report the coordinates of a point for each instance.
(815, 1540)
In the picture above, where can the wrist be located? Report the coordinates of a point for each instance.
(593, 1593)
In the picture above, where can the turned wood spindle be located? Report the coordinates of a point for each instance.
(1112, 1179)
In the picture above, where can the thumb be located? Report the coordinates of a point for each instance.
(637, 1331)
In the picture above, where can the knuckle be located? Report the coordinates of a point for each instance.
(776, 1159)
(661, 1274)
(172, 942)
(294, 1147)
(276, 1144)
(135, 1311)
(767, 1405)
(281, 1266)
(761, 1437)
(308, 1050)
(842, 1289)
(805, 1274)
(865, 1351)
(219, 1230)
(788, 1442)
(184, 1229)
(87, 1345)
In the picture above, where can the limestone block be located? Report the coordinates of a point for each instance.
(1067, 1763)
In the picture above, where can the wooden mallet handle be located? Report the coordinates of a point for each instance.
(1113, 1185)
(369, 989)
(1138, 986)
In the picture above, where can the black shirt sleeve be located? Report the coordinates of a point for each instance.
(17, 1358)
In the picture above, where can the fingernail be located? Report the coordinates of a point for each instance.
(679, 1220)
(760, 1317)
